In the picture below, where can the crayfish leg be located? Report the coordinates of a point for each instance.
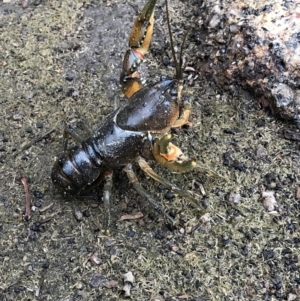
(150, 172)
(69, 131)
(136, 184)
(184, 116)
(106, 199)
(142, 30)
(209, 171)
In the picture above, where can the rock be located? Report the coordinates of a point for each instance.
(254, 46)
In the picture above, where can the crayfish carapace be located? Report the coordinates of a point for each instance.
(134, 132)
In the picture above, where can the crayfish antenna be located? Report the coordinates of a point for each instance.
(178, 65)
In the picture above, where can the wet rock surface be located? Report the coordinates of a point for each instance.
(60, 62)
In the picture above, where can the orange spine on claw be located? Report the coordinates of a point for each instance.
(139, 43)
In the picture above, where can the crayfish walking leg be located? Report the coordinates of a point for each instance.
(136, 184)
(106, 198)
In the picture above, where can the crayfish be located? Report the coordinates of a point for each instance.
(135, 132)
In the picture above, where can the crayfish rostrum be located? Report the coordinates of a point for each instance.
(135, 132)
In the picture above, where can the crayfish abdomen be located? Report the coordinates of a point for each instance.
(76, 168)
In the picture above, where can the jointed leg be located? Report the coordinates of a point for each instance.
(69, 131)
(150, 172)
(184, 116)
(85, 126)
(171, 156)
(135, 182)
(106, 199)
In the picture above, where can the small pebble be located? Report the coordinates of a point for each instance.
(24, 4)
(86, 213)
(128, 283)
(169, 195)
(130, 233)
(38, 194)
(97, 280)
(292, 297)
(17, 117)
(269, 200)
(78, 214)
(261, 152)
(30, 96)
(37, 2)
(234, 197)
(245, 250)
(69, 76)
(226, 241)
(261, 123)
(37, 204)
(95, 259)
(174, 248)
(166, 61)
(229, 131)
(205, 218)
(268, 254)
(158, 236)
(180, 252)
(40, 38)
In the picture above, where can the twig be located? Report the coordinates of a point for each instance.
(46, 208)
(26, 216)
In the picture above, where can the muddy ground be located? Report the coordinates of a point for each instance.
(60, 62)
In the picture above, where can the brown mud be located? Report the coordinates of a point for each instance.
(60, 62)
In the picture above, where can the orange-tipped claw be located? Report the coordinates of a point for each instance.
(141, 32)
(171, 156)
(139, 42)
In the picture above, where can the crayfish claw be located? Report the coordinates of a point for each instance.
(171, 156)
(142, 29)
(139, 42)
